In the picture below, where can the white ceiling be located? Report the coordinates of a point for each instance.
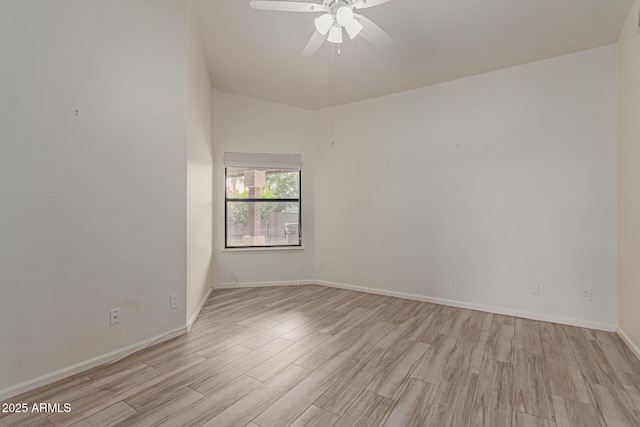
(258, 53)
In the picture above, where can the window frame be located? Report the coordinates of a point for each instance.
(248, 200)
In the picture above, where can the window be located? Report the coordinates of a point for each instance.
(262, 200)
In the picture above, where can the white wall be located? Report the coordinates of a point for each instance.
(199, 173)
(244, 124)
(470, 191)
(629, 179)
(92, 180)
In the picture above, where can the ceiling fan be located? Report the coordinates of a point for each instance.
(337, 15)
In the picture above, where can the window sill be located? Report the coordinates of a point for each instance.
(256, 249)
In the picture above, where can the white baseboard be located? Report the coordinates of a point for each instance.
(194, 316)
(264, 284)
(633, 346)
(478, 307)
(26, 386)
(45, 379)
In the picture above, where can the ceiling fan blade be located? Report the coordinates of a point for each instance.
(363, 4)
(314, 44)
(372, 33)
(287, 6)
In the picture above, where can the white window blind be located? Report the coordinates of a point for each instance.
(286, 162)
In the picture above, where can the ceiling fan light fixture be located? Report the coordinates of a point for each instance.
(335, 34)
(324, 23)
(334, 18)
(353, 28)
(344, 16)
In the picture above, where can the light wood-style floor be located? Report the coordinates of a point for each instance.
(316, 356)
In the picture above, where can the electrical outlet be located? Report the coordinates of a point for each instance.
(321, 263)
(114, 316)
(174, 301)
(534, 289)
(585, 294)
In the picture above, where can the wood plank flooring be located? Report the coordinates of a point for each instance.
(317, 356)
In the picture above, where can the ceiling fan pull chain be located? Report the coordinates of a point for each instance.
(332, 91)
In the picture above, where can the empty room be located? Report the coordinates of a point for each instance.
(320, 213)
